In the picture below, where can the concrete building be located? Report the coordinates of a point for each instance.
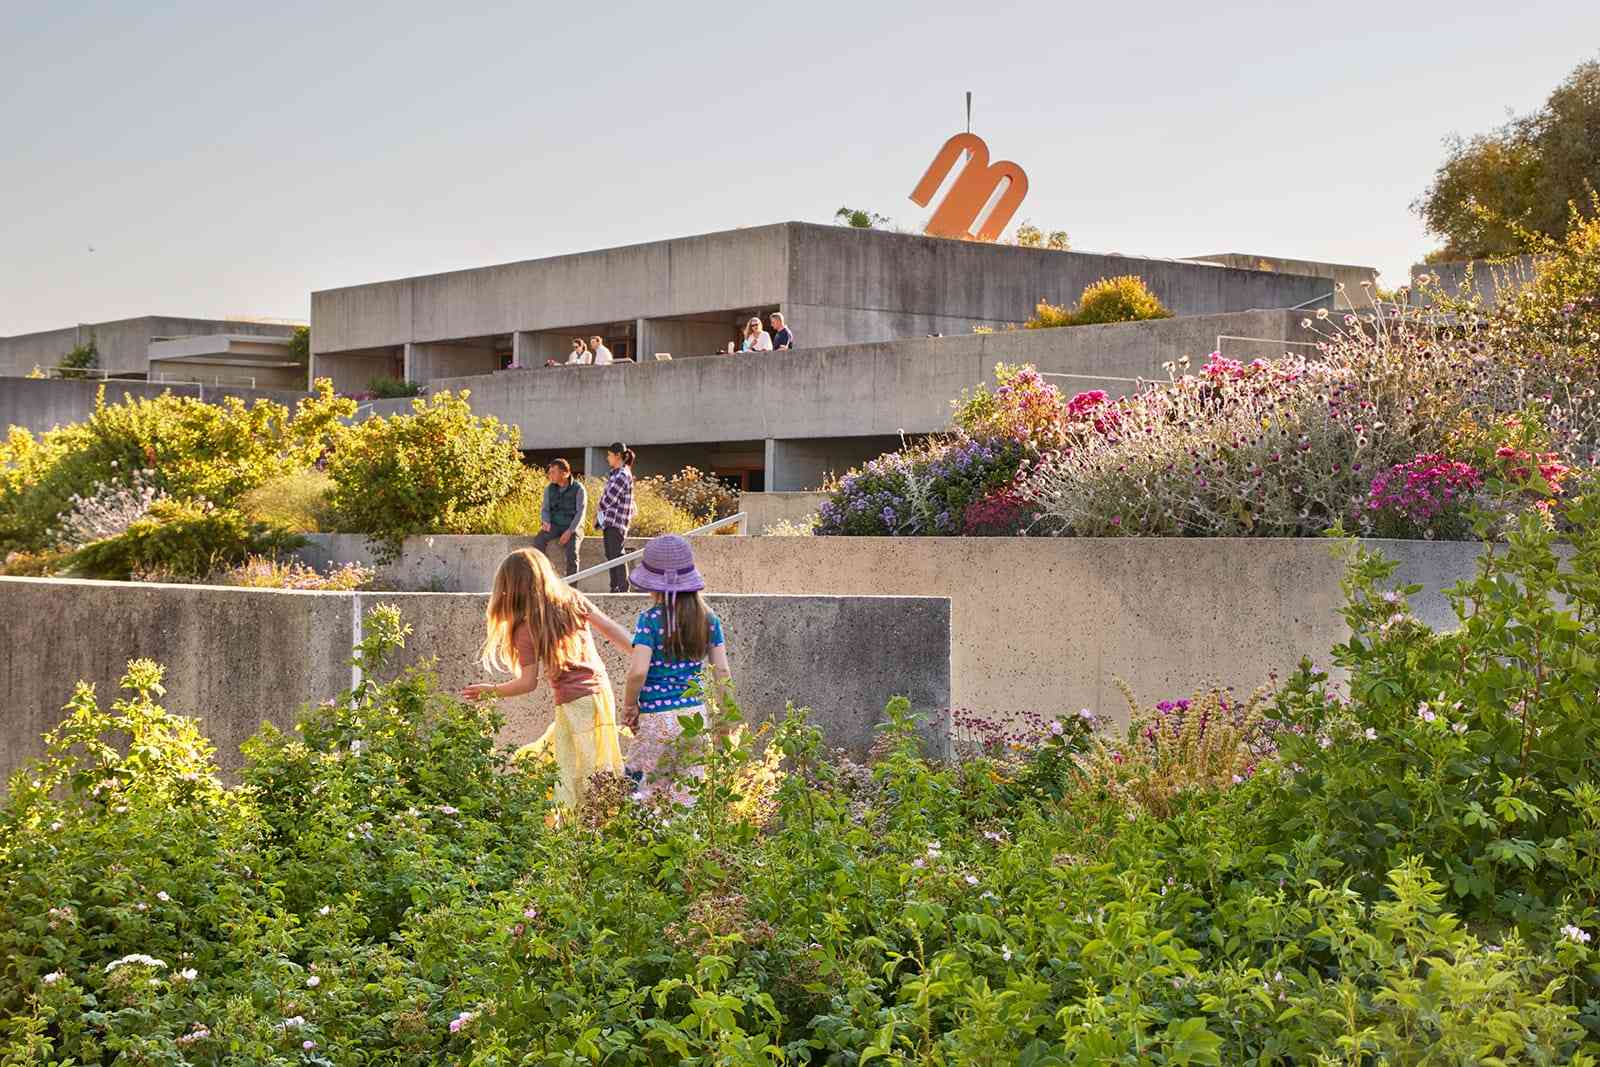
(1487, 280)
(835, 285)
(253, 361)
(124, 344)
(1360, 283)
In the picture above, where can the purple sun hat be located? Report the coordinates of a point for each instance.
(667, 567)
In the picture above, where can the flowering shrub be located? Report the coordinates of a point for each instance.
(923, 490)
(1122, 299)
(1022, 407)
(1411, 876)
(699, 494)
(261, 572)
(108, 511)
(1004, 513)
(189, 450)
(1424, 497)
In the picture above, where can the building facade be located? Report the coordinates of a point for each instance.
(123, 344)
(687, 297)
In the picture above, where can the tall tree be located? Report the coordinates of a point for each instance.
(1523, 174)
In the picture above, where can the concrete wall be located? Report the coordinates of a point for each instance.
(766, 509)
(734, 269)
(1049, 625)
(39, 404)
(238, 657)
(172, 371)
(123, 343)
(861, 285)
(1489, 279)
(1360, 283)
(683, 339)
(428, 362)
(804, 465)
(863, 390)
(838, 285)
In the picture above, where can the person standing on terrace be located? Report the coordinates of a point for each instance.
(782, 336)
(755, 338)
(600, 353)
(561, 513)
(616, 509)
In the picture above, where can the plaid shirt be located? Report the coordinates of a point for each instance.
(616, 503)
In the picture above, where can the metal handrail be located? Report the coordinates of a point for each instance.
(626, 558)
(1313, 300)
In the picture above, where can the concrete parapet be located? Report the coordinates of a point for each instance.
(238, 657)
(769, 508)
(1050, 624)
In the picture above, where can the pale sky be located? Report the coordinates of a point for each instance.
(224, 158)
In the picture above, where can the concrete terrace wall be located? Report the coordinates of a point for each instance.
(851, 285)
(837, 285)
(1046, 624)
(737, 268)
(1489, 279)
(123, 343)
(766, 509)
(38, 404)
(238, 657)
(1360, 283)
(847, 391)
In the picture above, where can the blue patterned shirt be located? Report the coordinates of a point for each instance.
(616, 501)
(666, 687)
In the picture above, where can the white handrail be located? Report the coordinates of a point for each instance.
(628, 557)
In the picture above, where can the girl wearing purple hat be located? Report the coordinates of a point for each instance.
(672, 643)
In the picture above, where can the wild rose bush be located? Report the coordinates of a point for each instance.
(1410, 876)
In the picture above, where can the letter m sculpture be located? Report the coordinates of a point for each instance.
(972, 190)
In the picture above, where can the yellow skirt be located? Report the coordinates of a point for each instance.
(583, 739)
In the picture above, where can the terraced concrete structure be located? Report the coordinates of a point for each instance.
(686, 297)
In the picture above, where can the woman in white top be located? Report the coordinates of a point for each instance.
(755, 338)
(580, 353)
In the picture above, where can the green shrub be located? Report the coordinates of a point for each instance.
(83, 356)
(701, 495)
(921, 490)
(1122, 299)
(439, 469)
(385, 886)
(265, 572)
(298, 501)
(386, 388)
(193, 451)
(178, 540)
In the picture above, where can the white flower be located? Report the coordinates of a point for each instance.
(971, 879)
(1057, 729)
(355, 747)
(313, 982)
(1324, 741)
(918, 864)
(1372, 735)
(52, 978)
(1575, 933)
(530, 912)
(308, 1044)
(445, 809)
(162, 896)
(188, 974)
(324, 910)
(1459, 727)
(56, 826)
(294, 1022)
(1005, 953)
(1425, 713)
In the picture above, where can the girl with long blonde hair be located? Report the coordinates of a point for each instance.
(537, 624)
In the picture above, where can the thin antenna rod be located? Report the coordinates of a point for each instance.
(969, 111)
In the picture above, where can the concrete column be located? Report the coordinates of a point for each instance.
(594, 460)
(406, 363)
(522, 348)
(644, 341)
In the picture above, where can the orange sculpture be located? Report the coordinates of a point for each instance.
(958, 212)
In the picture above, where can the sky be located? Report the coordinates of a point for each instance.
(220, 158)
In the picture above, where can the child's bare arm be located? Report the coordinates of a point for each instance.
(721, 673)
(526, 681)
(638, 668)
(610, 629)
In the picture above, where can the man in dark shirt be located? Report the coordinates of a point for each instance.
(782, 336)
(561, 513)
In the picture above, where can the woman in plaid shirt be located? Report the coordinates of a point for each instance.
(616, 509)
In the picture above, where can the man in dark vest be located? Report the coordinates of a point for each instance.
(561, 514)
